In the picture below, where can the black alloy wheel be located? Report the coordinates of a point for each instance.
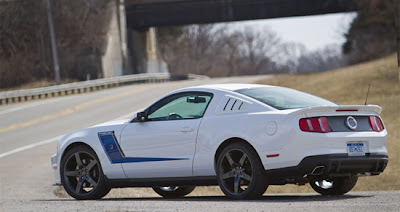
(240, 172)
(81, 174)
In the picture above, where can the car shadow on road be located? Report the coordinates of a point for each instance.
(265, 198)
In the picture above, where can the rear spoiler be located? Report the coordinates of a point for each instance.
(340, 108)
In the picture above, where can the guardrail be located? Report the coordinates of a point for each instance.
(8, 97)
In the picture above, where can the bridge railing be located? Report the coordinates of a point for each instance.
(13, 96)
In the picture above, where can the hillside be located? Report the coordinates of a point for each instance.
(348, 86)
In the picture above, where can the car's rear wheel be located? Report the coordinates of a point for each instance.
(174, 191)
(240, 172)
(334, 186)
(81, 174)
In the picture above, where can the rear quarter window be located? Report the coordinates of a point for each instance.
(285, 98)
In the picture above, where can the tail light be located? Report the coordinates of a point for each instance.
(315, 124)
(376, 123)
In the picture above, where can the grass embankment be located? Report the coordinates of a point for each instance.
(348, 86)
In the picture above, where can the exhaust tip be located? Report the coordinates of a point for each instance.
(318, 170)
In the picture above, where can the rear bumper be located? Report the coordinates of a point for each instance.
(322, 166)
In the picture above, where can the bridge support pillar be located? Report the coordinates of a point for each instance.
(155, 64)
(115, 61)
(130, 51)
(145, 55)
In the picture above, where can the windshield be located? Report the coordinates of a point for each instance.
(285, 98)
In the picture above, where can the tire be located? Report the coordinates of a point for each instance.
(334, 186)
(82, 175)
(240, 173)
(173, 191)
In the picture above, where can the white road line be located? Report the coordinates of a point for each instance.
(25, 106)
(30, 146)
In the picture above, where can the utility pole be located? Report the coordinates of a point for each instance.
(53, 43)
(396, 6)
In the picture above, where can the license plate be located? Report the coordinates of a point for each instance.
(356, 149)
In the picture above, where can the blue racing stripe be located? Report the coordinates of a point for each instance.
(115, 155)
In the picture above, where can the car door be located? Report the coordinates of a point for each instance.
(163, 144)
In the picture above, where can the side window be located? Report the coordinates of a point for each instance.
(188, 105)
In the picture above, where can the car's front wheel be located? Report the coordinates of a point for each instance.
(174, 191)
(240, 172)
(334, 186)
(81, 174)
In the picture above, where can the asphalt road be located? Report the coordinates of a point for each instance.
(28, 132)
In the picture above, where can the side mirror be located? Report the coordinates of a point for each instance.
(141, 116)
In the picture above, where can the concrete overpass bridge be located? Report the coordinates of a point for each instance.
(137, 19)
(153, 13)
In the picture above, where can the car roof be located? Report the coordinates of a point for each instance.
(231, 87)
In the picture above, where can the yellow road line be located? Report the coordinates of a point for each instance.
(69, 110)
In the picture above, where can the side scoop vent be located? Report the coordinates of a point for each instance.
(230, 104)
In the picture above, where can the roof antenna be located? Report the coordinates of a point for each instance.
(366, 98)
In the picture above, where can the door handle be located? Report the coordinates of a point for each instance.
(187, 129)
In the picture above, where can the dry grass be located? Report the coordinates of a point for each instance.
(348, 86)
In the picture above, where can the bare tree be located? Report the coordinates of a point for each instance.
(324, 59)
(230, 50)
(257, 49)
(197, 50)
(289, 55)
(80, 26)
(216, 51)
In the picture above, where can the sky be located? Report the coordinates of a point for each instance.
(315, 32)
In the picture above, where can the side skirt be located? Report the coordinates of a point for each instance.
(163, 182)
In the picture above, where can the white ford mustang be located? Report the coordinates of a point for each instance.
(241, 137)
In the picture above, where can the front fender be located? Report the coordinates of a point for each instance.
(90, 138)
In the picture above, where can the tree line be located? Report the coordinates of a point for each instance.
(81, 28)
(218, 51)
